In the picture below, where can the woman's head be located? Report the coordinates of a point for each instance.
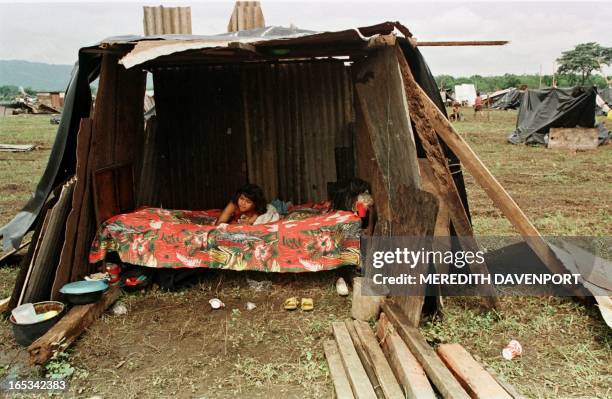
(250, 197)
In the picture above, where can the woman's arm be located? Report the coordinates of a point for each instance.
(227, 214)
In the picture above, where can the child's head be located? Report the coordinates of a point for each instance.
(250, 197)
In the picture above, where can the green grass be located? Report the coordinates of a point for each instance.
(567, 345)
(20, 172)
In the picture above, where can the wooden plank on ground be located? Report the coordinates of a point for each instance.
(365, 360)
(357, 376)
(478, 170)
(405, 366)
(574, 138)
(477, 382)
(505, 384)
(388, 382)
(439, 164)
(336, 370)
(437, 372)
(68, 329)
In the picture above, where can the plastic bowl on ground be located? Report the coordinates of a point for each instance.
(25, 334)
(84, 292)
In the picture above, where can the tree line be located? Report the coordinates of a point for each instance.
(492, 83)
(583, 65)
(8, 92)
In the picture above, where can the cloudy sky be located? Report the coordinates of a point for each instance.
(52, 32)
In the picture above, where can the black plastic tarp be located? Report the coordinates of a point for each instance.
(542, 109)
(62, 160)
(510, 100)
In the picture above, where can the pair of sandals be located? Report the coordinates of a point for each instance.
(306, 304)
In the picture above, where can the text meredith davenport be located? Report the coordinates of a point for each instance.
(476, 279)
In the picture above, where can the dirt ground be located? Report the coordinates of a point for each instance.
(173, 344)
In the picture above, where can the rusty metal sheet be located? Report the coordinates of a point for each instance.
(167, 20)
(246, 15)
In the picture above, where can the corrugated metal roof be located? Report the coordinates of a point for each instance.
(153, 47)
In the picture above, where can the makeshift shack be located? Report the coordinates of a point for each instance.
(291, 110)
(543, 109)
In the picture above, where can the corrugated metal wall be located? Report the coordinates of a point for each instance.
(246, 15)
(296, 115)
(276, 125)
(166, 20)
(199, 159)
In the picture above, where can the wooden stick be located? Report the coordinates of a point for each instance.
(463, 43)
(420, 115)
(405, 366)
(357, 376)
(481, 174)
(336, 369)
(437, 372)
(14, 251)
(388, 382)
(68, 329)
(476, 381)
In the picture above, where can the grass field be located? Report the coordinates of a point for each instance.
(172, 344)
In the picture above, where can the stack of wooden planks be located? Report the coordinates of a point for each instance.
(397, 362)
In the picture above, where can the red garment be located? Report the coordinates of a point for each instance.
(478, 102)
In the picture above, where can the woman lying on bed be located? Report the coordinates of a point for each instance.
(245, 207)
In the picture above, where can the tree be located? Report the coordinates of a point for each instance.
(584, 59)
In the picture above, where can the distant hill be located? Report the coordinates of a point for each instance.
(37, 75)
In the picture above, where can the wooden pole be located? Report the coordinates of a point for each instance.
(487, 181)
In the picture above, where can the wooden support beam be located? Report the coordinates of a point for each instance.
(462, 43)
(365, 360)
(381, 41)
(472, 376)
(342, 385)
(68, 329)
(437, 122)
(357, 376)
(14, 251)
(439, 164)
(437, 372)
(64, 267)
(388, 382)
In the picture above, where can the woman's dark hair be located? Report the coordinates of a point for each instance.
(346, 193)
(255, 194)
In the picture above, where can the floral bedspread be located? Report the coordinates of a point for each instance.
(307, 240)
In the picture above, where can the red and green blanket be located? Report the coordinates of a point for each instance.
(307, 240)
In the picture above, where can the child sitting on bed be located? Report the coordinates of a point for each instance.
(246, 205)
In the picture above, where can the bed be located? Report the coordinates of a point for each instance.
(308, 239)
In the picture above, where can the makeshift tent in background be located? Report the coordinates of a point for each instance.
(604, 101)
(509, 100)
(542, 109)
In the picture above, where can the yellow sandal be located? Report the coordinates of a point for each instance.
(291, 303)
(307, 304)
